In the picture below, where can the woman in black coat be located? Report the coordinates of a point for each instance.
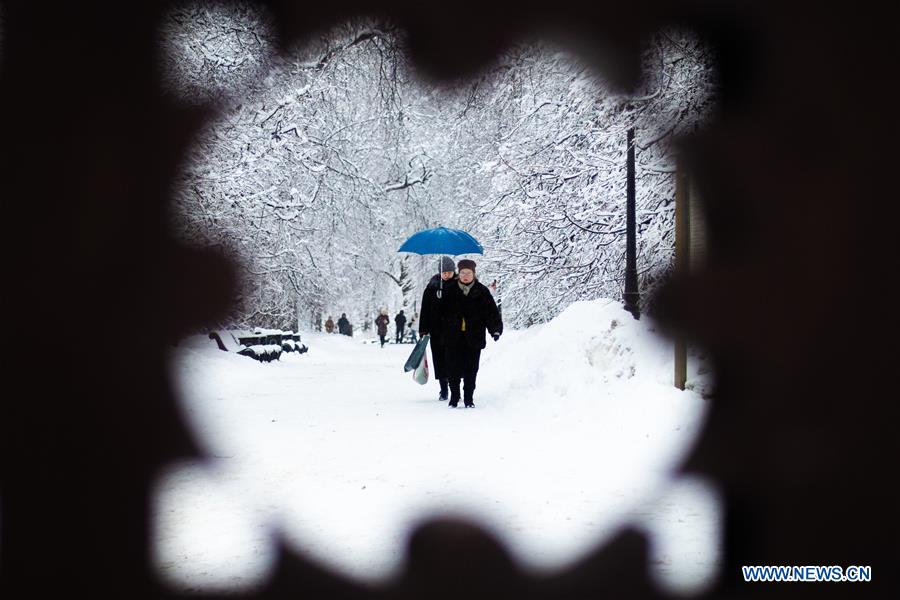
(470, 311)
(432, 317)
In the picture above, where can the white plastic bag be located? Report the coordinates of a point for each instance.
(420, 375)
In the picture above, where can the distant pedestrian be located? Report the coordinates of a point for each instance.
(382, 323)
(400, 322)
(413, 325)
(343, 325)
(329, 325)
(470, 311)
(431, 319)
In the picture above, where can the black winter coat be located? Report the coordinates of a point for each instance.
(433, 311)
(477, 309)
(400, 320)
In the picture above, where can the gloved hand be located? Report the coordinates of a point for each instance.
(496, 336)
(423, 333)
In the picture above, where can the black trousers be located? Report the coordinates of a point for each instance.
(462, 364)
(439, 356)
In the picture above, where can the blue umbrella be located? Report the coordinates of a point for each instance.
(441, 240)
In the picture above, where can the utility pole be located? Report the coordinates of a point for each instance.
(631, 282)
(682, 260)
(497, 282)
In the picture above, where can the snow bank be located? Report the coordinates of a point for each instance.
(589, 346)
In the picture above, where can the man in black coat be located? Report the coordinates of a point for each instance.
(432, 316)
(400, 322)
(470, 310)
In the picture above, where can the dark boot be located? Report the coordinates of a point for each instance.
(454, 393)
(469, 391)
(445, 389)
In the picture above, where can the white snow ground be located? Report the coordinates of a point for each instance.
(576, 431)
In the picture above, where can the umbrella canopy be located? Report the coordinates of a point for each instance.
(441, 240)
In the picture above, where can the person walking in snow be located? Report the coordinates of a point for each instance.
(400, 322)
(470, 311)
(431, 319)
(344, 325)
(413, 326)
(329, 325)
(382, 323)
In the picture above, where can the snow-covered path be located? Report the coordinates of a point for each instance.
(574, 431)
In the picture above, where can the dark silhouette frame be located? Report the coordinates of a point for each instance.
(792, 304)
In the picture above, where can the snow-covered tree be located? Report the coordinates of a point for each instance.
(554, 213)
(317, 170)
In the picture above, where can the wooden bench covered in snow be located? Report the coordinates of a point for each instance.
(264, 345)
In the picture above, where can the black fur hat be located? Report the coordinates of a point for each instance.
(466, 264)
